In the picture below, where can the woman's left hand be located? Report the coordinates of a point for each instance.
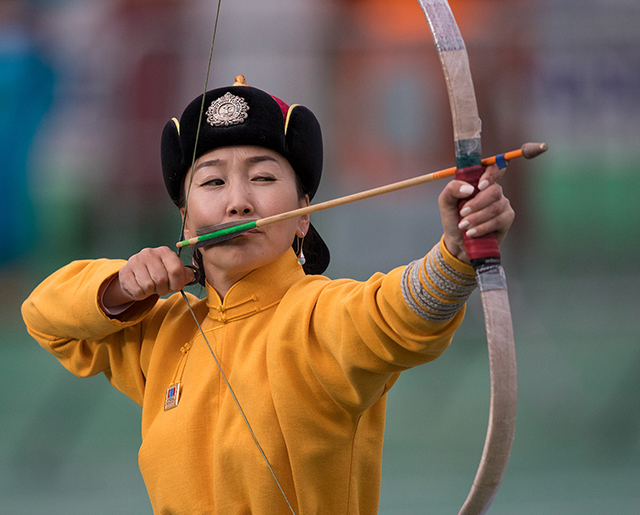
(489, 212)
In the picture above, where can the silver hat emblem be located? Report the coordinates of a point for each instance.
(227, 110)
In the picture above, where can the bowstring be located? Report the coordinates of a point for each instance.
(184, 296)
(195, 146)
(237, 403)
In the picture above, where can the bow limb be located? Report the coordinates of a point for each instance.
(485, 257)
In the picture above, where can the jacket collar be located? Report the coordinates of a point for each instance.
(257, 291)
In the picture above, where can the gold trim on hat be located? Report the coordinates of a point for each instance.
(175, 120)
(286, 123)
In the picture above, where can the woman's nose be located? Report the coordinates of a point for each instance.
(239, 202)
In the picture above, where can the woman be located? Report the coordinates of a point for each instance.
(310, 359)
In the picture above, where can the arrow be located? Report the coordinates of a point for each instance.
(211, 235)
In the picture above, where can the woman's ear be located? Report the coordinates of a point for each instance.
(303, 221)
(304, 202)
(303, 226)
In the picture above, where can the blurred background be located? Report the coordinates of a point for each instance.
(86, 87)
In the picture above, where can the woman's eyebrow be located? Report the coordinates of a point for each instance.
(210, 162)
(260, 159)
(249, 160)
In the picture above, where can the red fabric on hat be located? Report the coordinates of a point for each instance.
(284, 107)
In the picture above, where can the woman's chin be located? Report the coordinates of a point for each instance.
(237, 259)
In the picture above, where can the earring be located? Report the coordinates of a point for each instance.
(301, 259)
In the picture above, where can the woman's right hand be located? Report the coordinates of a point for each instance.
(152, 271)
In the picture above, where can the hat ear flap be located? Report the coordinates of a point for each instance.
(316, 253)
(303, 139)
(172, 160)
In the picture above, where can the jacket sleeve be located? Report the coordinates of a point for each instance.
(63, 314)
(363, 334)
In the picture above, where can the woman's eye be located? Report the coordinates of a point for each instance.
(213, 182)
(264, 178)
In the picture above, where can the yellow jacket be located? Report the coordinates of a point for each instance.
(310, 361)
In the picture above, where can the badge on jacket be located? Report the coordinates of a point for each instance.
(172, 396)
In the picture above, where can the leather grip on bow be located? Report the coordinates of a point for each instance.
(485, 246)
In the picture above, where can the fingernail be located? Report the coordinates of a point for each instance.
(465, 211)
(463, 225)
(483, 185)
(471, 233)
(466, 189)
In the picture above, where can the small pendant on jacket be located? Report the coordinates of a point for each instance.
(172, 396)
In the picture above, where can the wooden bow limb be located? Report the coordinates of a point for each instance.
(502, 410)
(484, 255)
(218, 233)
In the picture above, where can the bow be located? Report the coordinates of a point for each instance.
(484, 255)
(485, 258)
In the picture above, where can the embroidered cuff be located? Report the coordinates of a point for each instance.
(434, 289)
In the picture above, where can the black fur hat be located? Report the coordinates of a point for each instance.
(243, 115)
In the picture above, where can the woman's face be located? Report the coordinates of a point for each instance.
(243, 183)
